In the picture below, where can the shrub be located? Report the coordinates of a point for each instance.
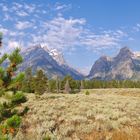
(2, 91)
(47, 138)
(87, 93)
(3, 130)
(3, 137)
(18, 98)
(26, 109)
(5, 111)
(8, 94)
(14, 121)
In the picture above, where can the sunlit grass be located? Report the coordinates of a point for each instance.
(104, 113)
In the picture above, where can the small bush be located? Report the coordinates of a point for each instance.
(3, 137)
(26, 109)
(47, 138)
(14, 121)
(2, 92)
(18, 98)
(8, 94)
(87, 93)
(3, 130)
(5, 111)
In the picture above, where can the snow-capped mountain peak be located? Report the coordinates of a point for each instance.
(58, 56)
(54, 53)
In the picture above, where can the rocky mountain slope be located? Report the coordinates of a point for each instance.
(50, 61)
(126, 65)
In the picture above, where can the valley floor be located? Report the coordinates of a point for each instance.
(104, 114)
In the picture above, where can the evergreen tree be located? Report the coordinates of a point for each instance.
(57, 85)
(52, 86)
(40, 82)
(67, 87)
(72, 83)
(15, 59)
(9, 80)
(27, 84)
(82, 85)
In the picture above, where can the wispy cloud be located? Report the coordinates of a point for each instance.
(136, 28)
(21, 25)
(3, 30)
(30, 7)
(22, 13)
(62, 33)
(7, 17)
(56, 30)
(13, 44)
(59, 6)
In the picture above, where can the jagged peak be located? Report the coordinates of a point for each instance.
(125, 50)
(106, 58)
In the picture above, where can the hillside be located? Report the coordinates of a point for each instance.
(50, 61)
(126, 65)
(104, 114)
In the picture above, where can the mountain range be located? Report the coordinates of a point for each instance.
(50, 61)
(125, 65)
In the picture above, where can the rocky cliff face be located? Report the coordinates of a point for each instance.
(52, 63)
(126, 65)
(101, 68)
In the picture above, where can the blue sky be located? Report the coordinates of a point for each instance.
(82, 30)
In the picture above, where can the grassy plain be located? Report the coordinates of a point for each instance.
(104, 114)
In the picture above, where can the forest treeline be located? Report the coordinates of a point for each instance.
(39, 83)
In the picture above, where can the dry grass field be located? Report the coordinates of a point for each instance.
(104, 114)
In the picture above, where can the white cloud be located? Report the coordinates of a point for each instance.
(23, 25)
(3, 30)
(97, 41)
(22, 13)
(136, 28)
(61, 33)
(58, 32)
(67, 34)
(18, 5)
(6, 17)
(12, 33)
(5, 8)
(59, 6)
(30, 7)
(13, 44)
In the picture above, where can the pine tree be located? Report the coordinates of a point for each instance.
(9, 80)
(52, 86)
(57, 84)
(27, 84)
(82, 85)
(15, 59)
(67, 87)
(40, 82)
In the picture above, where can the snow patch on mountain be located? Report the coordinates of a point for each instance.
(58, 56)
